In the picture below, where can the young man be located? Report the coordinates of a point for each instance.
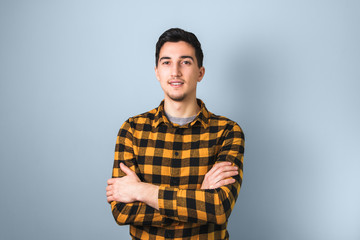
(178, 168)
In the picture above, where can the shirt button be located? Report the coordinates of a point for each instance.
(174, 181)
(169, 234)
(176, 153)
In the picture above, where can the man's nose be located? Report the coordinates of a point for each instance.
(175, 70)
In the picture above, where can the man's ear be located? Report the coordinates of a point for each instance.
(201, 73)
(157, 74)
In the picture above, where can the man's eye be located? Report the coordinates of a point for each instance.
(186, 62)
(166, 63)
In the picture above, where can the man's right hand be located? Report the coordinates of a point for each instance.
(219, 175)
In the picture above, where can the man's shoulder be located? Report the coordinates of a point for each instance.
(149, 115)
(143, 118)
(221, 120)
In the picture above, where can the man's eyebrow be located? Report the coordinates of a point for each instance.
(164, 58)
(182, 57)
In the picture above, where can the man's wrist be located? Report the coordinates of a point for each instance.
(139, 190)
(147, 193)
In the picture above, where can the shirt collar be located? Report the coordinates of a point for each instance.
(203, 116)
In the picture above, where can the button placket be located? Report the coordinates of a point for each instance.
(169, 233)
(175, 162)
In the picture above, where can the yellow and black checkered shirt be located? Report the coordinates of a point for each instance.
(176, 158)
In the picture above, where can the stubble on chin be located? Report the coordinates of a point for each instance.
(177, 98)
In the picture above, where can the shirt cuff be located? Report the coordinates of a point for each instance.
(167, 201)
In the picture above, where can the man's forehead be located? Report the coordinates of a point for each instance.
(177, 49)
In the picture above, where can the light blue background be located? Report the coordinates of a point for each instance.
(287, 71)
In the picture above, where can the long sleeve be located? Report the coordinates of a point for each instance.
(207, 206)
(136, 213)
(176, 159)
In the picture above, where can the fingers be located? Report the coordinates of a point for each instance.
(224, 172)
(109, 194)
(222, 183)
(118, 189)
(219, 175)
(126, 170)
(217, 166)
(219, 169)
(225, 175)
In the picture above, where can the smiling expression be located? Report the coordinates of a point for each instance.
(178, 71)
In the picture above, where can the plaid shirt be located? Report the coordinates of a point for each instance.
(176, 158)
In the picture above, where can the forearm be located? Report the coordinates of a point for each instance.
(159, 206)
(197, 205)
(137, 213)
(144, 211)
(148, 194)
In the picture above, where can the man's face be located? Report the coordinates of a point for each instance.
(178, 71)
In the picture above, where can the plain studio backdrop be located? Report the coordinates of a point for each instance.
(287, 71)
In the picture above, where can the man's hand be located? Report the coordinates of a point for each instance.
(219, 175)
(123, 189)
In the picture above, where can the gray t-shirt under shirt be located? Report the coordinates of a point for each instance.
(180, 121)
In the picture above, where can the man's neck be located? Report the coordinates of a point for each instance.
(181, 109)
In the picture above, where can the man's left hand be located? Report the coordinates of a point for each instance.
(123, 189)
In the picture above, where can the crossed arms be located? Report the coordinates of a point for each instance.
(129, 189)
(141, 203)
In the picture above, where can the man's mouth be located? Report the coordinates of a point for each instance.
(176, 83)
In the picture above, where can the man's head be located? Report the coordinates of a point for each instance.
(177, 35)
(179, 65)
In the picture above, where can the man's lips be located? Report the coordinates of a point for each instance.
(176, 83)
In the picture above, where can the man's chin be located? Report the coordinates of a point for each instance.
(177, 98)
